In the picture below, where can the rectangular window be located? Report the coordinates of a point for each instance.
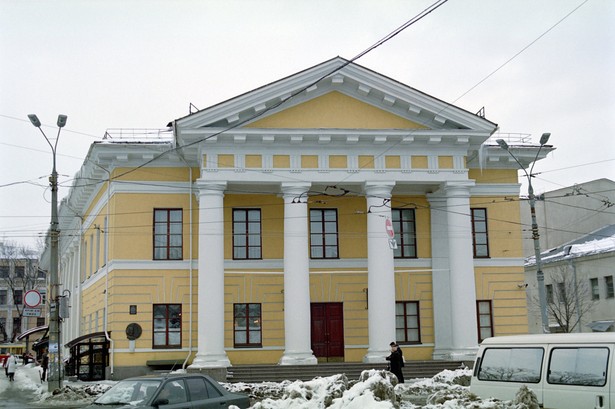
(18, 297)
(593, 282)
(97, 249)
(16, 325)
(20, 271)
(511, 365)
(407, 322)
(549, 291)
(485, 319)
(4, 271)
(608, 281)
(168, 240)
(247, 234)
(561, 293)
(167, 326)
(323, 233)
(40, 321)
(578, 366)
(247, 325)
(3, 297)
(91, 270)
(480, 239)
(404, 226)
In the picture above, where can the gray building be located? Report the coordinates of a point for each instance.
(577, 241)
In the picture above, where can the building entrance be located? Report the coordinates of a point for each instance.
(327, 325)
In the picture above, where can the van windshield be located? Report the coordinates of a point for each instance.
(511, 365)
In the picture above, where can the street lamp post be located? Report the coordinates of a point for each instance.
(542, 296)
(54, 378)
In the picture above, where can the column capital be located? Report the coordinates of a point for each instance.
(295, 190)
(451, 189)
(207, 187)
(460, 189)
(380, 190)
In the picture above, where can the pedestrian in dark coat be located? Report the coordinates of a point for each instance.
(396, 362)
(45, 366)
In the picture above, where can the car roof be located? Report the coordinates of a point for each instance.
(166, 376)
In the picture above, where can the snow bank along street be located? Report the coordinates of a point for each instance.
(375, 389)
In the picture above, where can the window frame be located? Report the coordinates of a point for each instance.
(168, 234)
(403, 246)
(550, 295)
(609, 289)
(594, 286)
(167, 327)
(323, 234)
(18, 296)
(247, 233)
(404, 340)
(478, 321)
(475, 233)
(569, 378)
(248, 328)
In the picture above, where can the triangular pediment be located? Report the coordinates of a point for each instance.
(335, 94)
(335, 111)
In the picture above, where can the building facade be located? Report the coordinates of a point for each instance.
(575, 231)
(18, 275)
(314, 219)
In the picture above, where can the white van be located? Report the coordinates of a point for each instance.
(566, 371)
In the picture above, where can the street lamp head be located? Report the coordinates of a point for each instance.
(34, 119)
(502, 144)
(61, 120)
(544, 138)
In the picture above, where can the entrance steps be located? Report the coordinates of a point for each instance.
(278, 373)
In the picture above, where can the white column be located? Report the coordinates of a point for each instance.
(210, 352)
(297, 331)
(440, 281)
(461, 261)
(380, 273)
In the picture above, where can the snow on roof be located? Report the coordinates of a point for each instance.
(597, 242)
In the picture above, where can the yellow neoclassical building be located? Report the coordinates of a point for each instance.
(314, 219)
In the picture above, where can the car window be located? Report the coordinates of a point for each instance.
(197, 388)
(129, 392)
(174, 391)
(578, 366)
(511, 365)
(212, 390)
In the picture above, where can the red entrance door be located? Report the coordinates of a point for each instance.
(328, 331)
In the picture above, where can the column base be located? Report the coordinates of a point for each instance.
(455, 354)
(210, 361)
(376, 356)
(298, 358)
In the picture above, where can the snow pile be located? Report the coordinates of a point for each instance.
(375, 389)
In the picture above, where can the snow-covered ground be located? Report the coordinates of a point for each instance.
(375, 389)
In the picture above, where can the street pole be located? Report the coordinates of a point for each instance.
(540, 277)
(54, 377)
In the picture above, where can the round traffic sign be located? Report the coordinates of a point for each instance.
(32, 298)
(389, 228)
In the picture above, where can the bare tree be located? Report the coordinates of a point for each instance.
(19, 273)
(568, 301)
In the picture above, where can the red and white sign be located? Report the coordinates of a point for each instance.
(32, 298)
(389, 228)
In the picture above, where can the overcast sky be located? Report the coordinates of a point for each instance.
(139, 64)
